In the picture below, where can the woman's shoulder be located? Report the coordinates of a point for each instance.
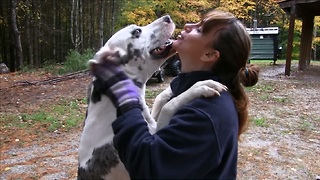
(218, 108)
(215, 103)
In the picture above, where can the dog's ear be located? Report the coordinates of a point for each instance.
(110, 56)
(93, 64)
(105, 56)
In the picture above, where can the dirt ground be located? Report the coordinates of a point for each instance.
(282, 142)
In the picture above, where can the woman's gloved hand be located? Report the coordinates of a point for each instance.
(115, 84)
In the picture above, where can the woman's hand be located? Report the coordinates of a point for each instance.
(114, 83)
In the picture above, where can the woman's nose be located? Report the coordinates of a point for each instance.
(188, 27)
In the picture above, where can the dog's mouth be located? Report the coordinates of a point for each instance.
(161, 51)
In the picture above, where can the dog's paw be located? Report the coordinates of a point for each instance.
(208, 88)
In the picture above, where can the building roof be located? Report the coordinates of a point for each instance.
(303, 7)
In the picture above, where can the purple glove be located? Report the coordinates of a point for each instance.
(114, 83)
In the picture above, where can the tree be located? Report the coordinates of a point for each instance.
(76, 13)
(3, 32)
(101, 22)
(15, 43)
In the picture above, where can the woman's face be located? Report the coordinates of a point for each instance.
(192, 45)
(191, 39)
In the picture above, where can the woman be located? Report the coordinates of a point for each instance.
(201, 140)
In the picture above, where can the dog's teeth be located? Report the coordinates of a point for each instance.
(158, 50)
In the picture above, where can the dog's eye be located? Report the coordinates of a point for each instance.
(136, 33)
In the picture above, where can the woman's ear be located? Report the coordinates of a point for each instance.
(210, 56)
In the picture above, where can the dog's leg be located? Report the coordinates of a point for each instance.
(207, 88)
(152, 124)
(160, 101)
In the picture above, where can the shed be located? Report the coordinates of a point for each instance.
(264, 43)
(305, 10)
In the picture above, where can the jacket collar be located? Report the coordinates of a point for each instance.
(185, 80)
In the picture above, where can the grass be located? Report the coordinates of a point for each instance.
(305, 126)
(150, 94)
(63, 115)
(280, 99)
(262, 91)
(261, 122)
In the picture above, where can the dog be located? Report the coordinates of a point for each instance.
(97, 157)
(140, 52)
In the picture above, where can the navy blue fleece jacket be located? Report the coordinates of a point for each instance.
(200, 142)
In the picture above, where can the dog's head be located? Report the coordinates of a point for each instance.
(140, 49)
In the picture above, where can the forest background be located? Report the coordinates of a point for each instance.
(38, 33)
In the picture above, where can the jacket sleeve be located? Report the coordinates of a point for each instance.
(187, 148)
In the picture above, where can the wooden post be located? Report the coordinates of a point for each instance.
(290, 38)
(306, 41)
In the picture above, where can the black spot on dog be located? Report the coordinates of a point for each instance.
(156, 41)
(132, 54)
(103, 159)
(97, 90)
(153, 36)
(136, 33)
(129, 56)
(137, 52)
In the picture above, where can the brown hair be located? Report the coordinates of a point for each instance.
(234, 44)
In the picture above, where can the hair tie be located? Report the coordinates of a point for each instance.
(247, 73)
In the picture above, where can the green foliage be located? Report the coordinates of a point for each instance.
(76, 61)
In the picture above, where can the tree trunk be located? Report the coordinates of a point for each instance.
(92, 25)
(15, 35)
(112, 17)
(54, 30)
(71, 23)
(89, 21)
(81, 24)
(77, 37)
(4, 37)
(36, 33)
(74, 28)
(101, 22)
(29, 41)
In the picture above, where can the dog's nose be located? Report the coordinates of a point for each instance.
(167, 19)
